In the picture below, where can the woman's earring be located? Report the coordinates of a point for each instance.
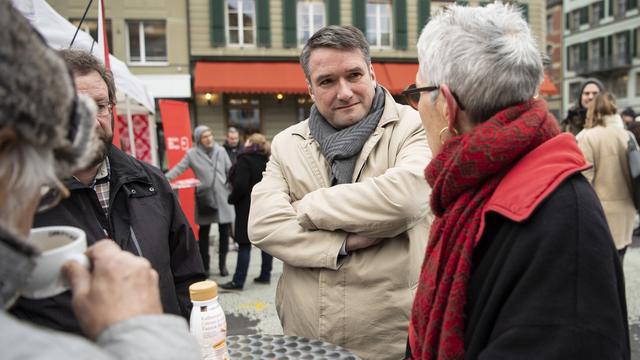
(452, 131)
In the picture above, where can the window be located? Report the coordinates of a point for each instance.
(243, 113)
(147, 41)
(311, 17)
(574, 57)
(90, 26)
(638, 84)
(619, 86)
(304, 107)
(241, 25)
(575, 19)
(379, 23)
(597, 13)
(549, 24)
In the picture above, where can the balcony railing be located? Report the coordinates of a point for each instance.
(602, 64)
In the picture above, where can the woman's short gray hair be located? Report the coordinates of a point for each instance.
(486, 55)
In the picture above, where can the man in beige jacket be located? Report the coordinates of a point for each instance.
(343, 203)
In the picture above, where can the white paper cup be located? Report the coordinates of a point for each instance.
(58, 244)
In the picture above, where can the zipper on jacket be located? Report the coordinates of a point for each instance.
(135, 240)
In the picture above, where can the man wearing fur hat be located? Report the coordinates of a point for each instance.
(124, 199)
(46, 133)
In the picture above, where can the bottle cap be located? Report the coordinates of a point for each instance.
(203, 290)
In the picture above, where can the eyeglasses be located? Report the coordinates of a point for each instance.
(104, 109)
(412, 93)
(51, 195)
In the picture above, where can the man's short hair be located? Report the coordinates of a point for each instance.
(232, 130)
(82, 63)
(334, 37)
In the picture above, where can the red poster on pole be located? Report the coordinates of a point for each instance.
(177, 136)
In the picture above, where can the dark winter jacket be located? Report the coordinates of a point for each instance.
(245, 173)
(545, 286)
(233, 151)
(144, 218)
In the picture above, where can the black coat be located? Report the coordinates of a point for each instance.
(245, 173)
(144, 218)
(555, 293)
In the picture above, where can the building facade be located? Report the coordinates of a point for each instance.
(553, 51)
(601, 40)
(245, 53)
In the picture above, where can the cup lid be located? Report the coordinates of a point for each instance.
(203, 290)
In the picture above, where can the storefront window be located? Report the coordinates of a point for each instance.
(243, 113)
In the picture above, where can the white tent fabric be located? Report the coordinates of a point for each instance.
(58, 32)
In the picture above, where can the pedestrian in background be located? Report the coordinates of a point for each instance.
(232, 144)
(246, 172)
(628, 116)
(210, 163)
(604, 144)
(520, 263)
(577, 113)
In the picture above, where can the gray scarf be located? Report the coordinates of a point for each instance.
(341, 147)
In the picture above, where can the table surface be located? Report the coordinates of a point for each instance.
(282, 347)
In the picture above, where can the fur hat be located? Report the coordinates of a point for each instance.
(38, 101)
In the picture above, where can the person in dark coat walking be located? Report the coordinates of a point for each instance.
(247, 171)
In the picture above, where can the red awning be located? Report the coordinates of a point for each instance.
(249, 77)
(284, 77)
(547, 88)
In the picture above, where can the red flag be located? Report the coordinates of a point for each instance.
(103, 47)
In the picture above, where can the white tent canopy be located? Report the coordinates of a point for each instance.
(58, 32)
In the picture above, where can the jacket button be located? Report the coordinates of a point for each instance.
(152, 189)
(133, 191)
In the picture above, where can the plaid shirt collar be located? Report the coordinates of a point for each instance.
(101, 184)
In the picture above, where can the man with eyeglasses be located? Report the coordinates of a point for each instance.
(120, 198)
(343, 203)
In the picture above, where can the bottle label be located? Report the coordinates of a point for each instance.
(210, 328)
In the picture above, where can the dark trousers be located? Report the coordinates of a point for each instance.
(203, 244)
(242, 266)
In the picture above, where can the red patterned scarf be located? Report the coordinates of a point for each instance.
(463, 177)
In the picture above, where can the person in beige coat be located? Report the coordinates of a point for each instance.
(604, 144)
(344, 204)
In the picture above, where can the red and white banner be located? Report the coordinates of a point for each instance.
(141, 136)
(177, 136)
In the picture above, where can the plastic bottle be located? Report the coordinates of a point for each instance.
(207, 323)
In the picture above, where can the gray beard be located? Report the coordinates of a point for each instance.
(102, 151)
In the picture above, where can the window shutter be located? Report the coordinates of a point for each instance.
(289, 23)
(569, 60)
(400, 23)
(216, 23)
(629, 50)
(424, 12)
(333, 12)
(359, 14)
(611, 6)
(263, 22)
(634, 43)
(567, 20)
(632, 4)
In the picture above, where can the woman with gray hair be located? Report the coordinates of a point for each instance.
(46, 132)
(520, 263)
